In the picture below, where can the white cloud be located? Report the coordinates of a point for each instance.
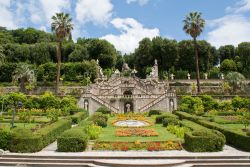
(43, 28)
(98, 12)
(141, 2)
(232, 28)
(239, 7)
(50, 7)
(7, 17)
(131, 33)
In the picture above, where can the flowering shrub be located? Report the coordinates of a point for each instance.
(125, 132)
(137, 145)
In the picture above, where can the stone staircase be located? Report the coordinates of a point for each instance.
(102, 102)
(146, 107)
(123, 161)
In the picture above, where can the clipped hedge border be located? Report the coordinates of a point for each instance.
(204, 141)
(39, 139)
(160, 118)
(236, 139)
(76, 118)
(5, 137)
(72, 140)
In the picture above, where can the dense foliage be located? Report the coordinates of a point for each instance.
(39, 49)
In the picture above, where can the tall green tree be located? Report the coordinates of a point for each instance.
(62, 26)
(193, 25)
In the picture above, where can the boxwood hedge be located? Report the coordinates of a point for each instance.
(72, 140)
(204, 141)
(23, 140)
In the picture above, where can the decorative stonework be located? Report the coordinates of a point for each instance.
(129, 94)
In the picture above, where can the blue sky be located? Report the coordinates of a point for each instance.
(125, 22)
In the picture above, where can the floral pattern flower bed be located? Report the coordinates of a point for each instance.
(131, 123)
(137, 145)
(125, 132)
(131, 120)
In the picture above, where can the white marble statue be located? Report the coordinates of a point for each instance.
(188, 76)
(172, 76)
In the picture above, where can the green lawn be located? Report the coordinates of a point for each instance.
(235, 127)
(26, 125)
(108, 134)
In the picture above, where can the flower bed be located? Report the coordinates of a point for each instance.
(127, 132)
(131, 116)
(137, 145)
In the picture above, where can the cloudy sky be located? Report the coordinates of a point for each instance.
(125, 22)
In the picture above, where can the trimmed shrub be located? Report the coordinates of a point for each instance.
(184, 115)
(93, 131)
(76, 118)
(170, 121)
(154, 112)
(191, 105)
(204, 141)
(5, 137)
(49, 100)
(237, 139)
(104, 110)
(24, 140)
(159, 119)
(100, 119)
(73, 140)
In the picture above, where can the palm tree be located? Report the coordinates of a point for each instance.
(24, 73)
(235, 80)
(193, 25)
(61, 25)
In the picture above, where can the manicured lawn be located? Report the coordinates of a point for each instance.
(26, 125)
(108, 133)
(225, 119)
(235, 127)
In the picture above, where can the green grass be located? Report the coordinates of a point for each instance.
(21, 125)
(235, 127)
(108, 134)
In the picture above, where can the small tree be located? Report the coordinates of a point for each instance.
(245, 119)
(25, 116)
(235, 80)
(24, 73)
(228, 65)
(53, 114)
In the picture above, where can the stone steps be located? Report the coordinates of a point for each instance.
(133, 161)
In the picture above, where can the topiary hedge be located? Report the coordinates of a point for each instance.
(237, 139)
(170, 121)
(24, 140)
(76, 118)
(100, 119)
(159, 118)
(204, 141)
(73, 140)
(103, 110)
(154, 112)
(5, 137)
